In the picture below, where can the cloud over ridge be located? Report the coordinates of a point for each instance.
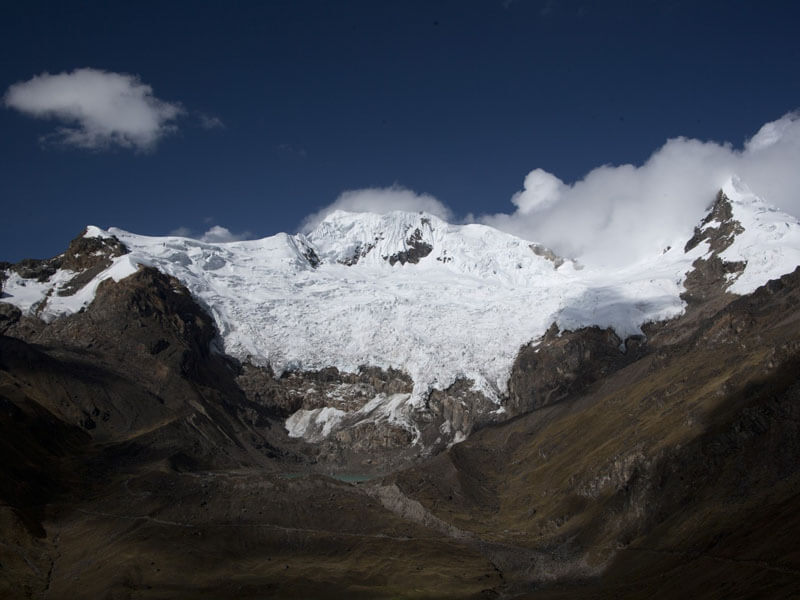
(380, 200)
(216, 234)
(97, 109)
(616, 215)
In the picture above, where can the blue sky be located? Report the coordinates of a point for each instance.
(285, 105)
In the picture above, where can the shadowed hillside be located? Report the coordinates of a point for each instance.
(135, 466)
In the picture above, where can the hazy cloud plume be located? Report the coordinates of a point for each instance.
(98, 109)
(380, 200)
(181, 232)
(210, 122)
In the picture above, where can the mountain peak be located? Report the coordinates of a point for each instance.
(396, 237)
(766, 241)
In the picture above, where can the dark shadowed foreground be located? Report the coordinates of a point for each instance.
(133, 464)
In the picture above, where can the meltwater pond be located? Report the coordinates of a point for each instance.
(346, 477)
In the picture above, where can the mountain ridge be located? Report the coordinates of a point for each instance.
(407, 291)
(136, 451)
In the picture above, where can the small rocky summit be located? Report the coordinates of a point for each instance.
(85, 255)
(712, 274)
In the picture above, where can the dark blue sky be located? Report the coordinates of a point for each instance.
(456, 99)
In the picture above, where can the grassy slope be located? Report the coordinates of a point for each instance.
(672, 477)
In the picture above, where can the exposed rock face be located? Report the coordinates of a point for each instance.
(416, 248)
(87, 256)
(138, 363)
(456, 412)
(721, 236)
(344, 415)
(706, 283)
(84, 259)
(540, 250)
(359, 252)
(565, 364)
(89, 252)
(171, 326)
(31, 268)
(361, 421)
(311, 257)
(310, 390)
(9, 315)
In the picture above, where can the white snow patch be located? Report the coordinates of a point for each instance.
(42, 299)
(314, 425)
(457, 439)
(95, 232)
(317, 424)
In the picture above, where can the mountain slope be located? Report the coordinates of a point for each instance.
(462, 325)
(444, 304)
(140, 461)
(131, 458)
(676, 476)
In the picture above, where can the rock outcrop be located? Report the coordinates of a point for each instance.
(416, 248)
(563, 364)
(711, 275)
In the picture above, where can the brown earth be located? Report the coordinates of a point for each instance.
(136, 461)
(675, 476)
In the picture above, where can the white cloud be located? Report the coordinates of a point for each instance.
(618, 214)
(771, 133)
(98, 109)
(541, 189)
(380, 200)
(214, 235)
(218, 234)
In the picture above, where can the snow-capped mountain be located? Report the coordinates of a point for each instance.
(408, 291)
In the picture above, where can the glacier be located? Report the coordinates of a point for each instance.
(412, 292)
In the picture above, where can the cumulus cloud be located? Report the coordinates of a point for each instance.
(540, 190)
(218, 234)
(214, 235)
(97, 109)
(618, 214)
(380, 200)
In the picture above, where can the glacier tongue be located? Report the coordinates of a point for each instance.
(409, 291)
